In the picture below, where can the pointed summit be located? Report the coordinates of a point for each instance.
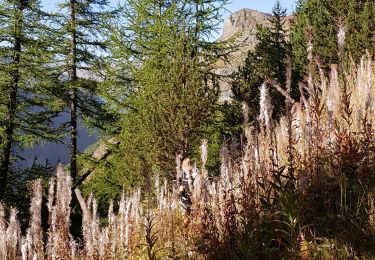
(245, 23)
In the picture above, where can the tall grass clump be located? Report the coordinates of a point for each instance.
(303, 188)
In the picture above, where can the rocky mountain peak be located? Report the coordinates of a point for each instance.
(243, 26)
(244, 22)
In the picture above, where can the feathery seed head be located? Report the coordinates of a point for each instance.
(266, 108)
(245, 112)
(204, 151)
(341, 35)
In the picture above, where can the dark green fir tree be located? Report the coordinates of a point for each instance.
(322, 20)
(267, 61)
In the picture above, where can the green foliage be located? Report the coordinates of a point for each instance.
(160, 83)
(79, 34)
(267, 61)
(224, 127)
(282, 214)
(27, 106)
(111, 177)
(321, 19)
(245, 86)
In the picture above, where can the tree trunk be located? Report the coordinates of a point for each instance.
(9, 130)
(73, 92)
(11, 107)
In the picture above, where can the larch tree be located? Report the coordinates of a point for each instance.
(80, 30)
(164, 55)
(27, 107)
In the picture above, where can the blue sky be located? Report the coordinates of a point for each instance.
(260, 5)
(234, 5)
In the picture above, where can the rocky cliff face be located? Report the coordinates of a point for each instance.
(244, 23)
(243, 26)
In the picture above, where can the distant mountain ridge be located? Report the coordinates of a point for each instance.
(244, 23)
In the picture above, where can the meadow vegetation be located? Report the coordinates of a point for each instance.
(303, 188)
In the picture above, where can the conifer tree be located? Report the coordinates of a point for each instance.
(26, 106)
(322, 19)
(165, 58)
(267, 61)
(81, 36)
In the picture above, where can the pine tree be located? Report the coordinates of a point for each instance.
(26, 84)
